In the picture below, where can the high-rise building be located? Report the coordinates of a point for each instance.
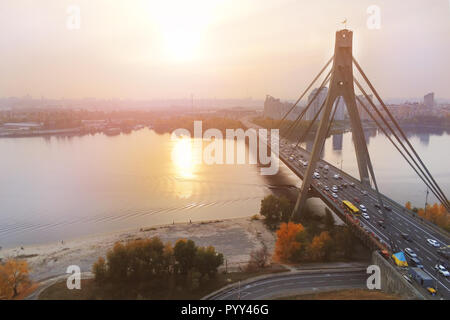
(275, 109)
(317, 103)
(341, 108)
(362, 112)
(428, 100)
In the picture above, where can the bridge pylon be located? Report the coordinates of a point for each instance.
(341, 85)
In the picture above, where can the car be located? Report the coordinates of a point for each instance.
(387, 208)
(442, 270)
(364, 192)
(431, 291)
(410, 253)
(334, 189)
(326, 167)
(334, 195)
(376, 205)
(379, 212)
(352, 184)
(344, 185)
(326, 188)
(381, 223)
(363, 207)
(316, 175)
(291, 158)
(433, 243)
(365, 216)
(336, 176)
(444, 252)
(407, 278)
(406, 237)
(414, 262)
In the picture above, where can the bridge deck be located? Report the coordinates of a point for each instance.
(398, 220)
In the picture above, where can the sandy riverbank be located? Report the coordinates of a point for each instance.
(235, 238)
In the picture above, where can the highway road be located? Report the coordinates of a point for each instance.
(398, 220)
(294, 283)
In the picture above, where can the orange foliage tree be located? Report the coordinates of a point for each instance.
(287, 241)
(435, 213)
(320, 246)
(13, 277)
(408, 205)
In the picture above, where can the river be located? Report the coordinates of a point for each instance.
(61, 187)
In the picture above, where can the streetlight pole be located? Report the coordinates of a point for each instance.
(426, 204)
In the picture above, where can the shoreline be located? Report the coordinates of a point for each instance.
(234, 237)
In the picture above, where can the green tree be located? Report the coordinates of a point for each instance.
(276, 209)
(184, 252)
(207, 260)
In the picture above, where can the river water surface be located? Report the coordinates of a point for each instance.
(57, 188)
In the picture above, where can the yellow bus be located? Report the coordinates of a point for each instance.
(349, 206)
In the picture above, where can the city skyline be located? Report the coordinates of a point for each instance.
(211, 49)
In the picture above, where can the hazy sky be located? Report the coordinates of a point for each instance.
(215, 48)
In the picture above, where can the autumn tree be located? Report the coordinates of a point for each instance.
(287, 244)
(408, 205)
(436, 214)
(13, 276)
(99, 270)
(321, 246)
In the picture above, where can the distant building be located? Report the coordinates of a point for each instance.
(337, 142)
(362, 112)
(275, 109)
(341, 108)
(428, 100)
(317, 103)
(22, 125)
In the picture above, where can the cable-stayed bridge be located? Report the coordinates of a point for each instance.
(385, 225)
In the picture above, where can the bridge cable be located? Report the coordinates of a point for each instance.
(429, 184)
(432, 187)
(378, 194)
(447, 203)
(304, 92)
(393, 143)
(293, 126)
(308, 129)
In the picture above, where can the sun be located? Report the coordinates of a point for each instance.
(182, 44)
(182, 26)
